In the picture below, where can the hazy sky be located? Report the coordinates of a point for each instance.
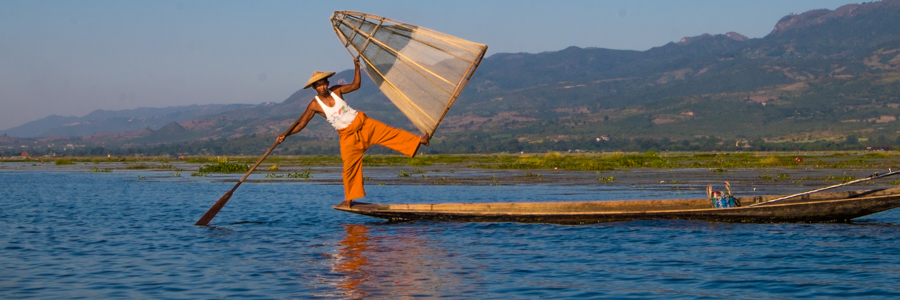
(72, 57)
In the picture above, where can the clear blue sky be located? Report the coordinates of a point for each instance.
(72, 57)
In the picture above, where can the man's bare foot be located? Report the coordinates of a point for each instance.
(425, 139)
(344, 204)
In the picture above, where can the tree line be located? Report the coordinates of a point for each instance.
(469, 144)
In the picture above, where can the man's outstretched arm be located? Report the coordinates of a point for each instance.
(304, 120)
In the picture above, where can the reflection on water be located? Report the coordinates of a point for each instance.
(390, 261)
(351, 260)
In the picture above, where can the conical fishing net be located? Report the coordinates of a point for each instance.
(420, 70)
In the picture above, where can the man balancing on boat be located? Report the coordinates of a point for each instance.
(357, 131)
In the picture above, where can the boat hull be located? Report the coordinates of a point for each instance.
(829, 207)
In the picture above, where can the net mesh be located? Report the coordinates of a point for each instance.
(420, 70)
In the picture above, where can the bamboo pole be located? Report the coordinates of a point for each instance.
(874, 176)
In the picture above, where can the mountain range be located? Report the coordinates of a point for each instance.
(122, 120)
(822, 75)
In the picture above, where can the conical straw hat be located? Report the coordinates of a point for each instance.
(318, 76)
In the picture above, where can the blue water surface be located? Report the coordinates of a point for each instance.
(74, 235)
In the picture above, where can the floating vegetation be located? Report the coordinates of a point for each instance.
(305, 175)
(534, 175)
(445, 181)
(177, 173)
(784, 176)
(98, 170)
(607, 179)
(842, 179)
(600, 162)
(199, 174)
(876, 155)
(403, 173)
(225, 167)
(143, 166)
(202, 160)
(718, 170)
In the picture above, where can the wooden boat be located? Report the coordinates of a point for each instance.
(819, 207)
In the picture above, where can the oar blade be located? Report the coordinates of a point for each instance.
(211, 213)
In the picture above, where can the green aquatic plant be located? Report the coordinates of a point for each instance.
(445, 181)
(140, 166)
(202, 160)
(225, 167)
(63, 162)
(876, 155)
(307, 174)
(534, 175)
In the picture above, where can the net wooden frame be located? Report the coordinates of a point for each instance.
(421, 71)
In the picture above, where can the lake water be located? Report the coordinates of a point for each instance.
(77, 234)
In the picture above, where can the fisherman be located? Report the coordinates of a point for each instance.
(357, 131)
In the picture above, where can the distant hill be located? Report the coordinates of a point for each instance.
(819, 77)
(117, 121)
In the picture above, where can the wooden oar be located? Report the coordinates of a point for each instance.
(211, 213)
(875, 176)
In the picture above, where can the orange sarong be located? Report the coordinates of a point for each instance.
(358, 137)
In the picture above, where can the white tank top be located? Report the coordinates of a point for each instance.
(340, 115)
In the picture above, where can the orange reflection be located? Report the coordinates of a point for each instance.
(388, 263)
(353, 261)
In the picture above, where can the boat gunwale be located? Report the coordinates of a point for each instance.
(478, 212)
(824, 207)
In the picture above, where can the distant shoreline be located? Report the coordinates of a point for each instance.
(674, 171)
